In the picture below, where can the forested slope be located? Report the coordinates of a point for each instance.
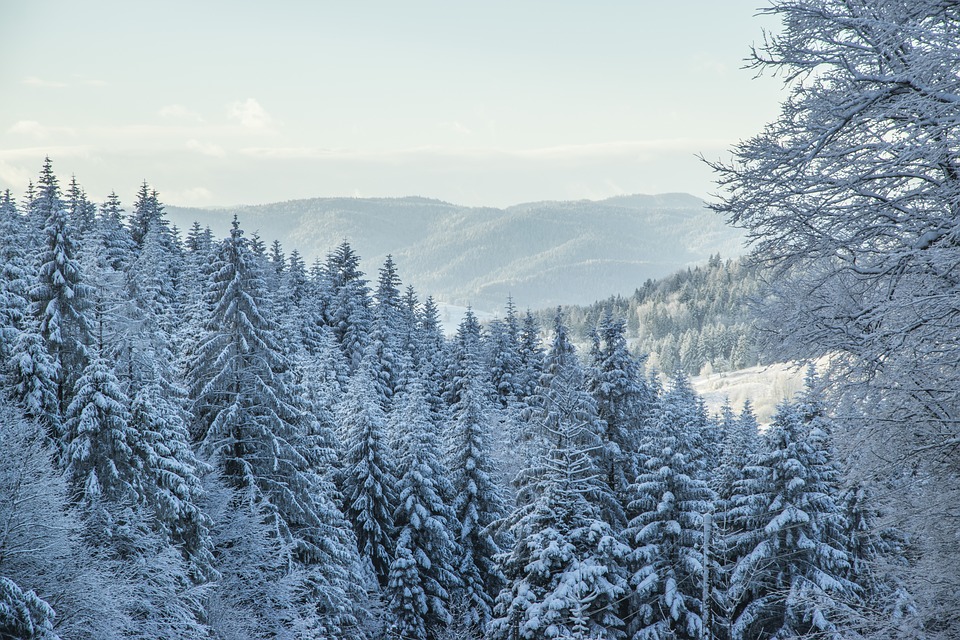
(544, 253)
(699, 319)
(203, 437)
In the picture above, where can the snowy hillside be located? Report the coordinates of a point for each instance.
(543, 253)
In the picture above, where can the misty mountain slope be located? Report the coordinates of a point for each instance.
(541, 253)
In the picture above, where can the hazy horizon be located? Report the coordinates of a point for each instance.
(223, 104)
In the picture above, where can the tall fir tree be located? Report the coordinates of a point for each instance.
(348, 308)
(386, 334)
(624, 403)
(789, 579)
(250, 422)
(59, 302)
(504, 356)
(531, 356)
(467, 341)
(666, 536)
(423, 572)
(478, 503)
(368, 477)
(566, 570)
(100, 443)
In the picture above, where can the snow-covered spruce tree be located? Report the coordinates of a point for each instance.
(666, 536)
(252, 425)
(624, 402)
(429, 357)
(174, 489)
(42, 202)
(29, 373)
(423, 571)
(467, 341)
(789, 579)
(59, 302)
(741, 443)
(155, 277)
(30, 378)
(504, 356)
(348, 307)
(386, 334)
(113, 234)
(23, 614)
(531, 356)
(146, 210)
(15, 275)
(100, 445)
(368, 479)
(477, 502)
(80, 210)
(566, 572)
(110, 468)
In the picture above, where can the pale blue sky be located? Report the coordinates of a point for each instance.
(481, 103)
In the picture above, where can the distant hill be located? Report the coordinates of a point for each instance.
(543, 253)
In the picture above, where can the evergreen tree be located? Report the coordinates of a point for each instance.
(277, 259)
(565, 572)
(789, 578)
(147, 211)
(666, 535)
(504, 356)
(429, 357)
(369, 482)
(174, 491)
(615, 379)
(252, 424)
(15, 276)
(466, 342)
(80, 210)
(387, 333)
(30, 373)
(423, 571)
(531, 356)
(477, 503)
(741, 444)
(100, 442)
(348, 308)
(59, 302)
(46, 201)
(113, 234)
(23, 614)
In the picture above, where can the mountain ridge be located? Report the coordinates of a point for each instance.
(542, 253)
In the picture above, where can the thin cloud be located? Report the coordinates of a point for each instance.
(89, 82)
(710, 65)
(559, 152)
(189, 197)
(456, 127)
(178, 112)
(34, 129)
(249, 114)
(14, 176)
(78, 79)
(38, 153)
(206, 148)
(34, 81)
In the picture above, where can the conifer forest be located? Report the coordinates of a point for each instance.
(206, 437)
